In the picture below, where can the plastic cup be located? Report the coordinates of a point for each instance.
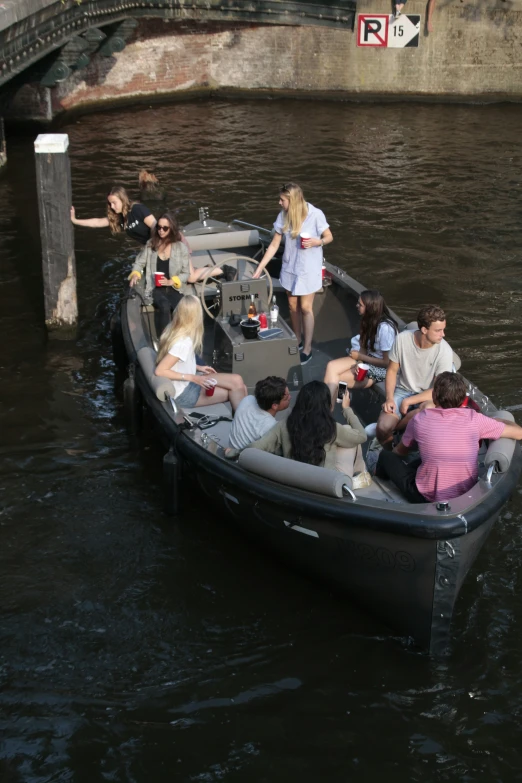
(263, 321)
(362, 371)
(157, 277)
(210, 392)
(304, 236)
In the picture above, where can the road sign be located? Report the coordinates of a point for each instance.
(387, 31)
(404, 31)
(372, 29)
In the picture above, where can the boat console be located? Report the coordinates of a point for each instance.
(252, 358)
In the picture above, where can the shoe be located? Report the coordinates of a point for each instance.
(300, 346)
(305, 357)
(397, 13)
(371, 429)
(229, 273)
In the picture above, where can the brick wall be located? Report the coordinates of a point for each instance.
(473, 52)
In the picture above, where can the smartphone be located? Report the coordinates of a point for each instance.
(341, 389)
(266, 334)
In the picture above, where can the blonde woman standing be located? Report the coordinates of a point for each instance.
(178, 346)
(302, 262)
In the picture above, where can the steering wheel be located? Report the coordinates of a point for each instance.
(233, 260)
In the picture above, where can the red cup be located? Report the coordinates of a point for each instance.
(362, 371)
(304, 236)
(157, 277)
(263, 323)
(210, 392)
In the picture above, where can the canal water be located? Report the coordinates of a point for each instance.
(136, 648)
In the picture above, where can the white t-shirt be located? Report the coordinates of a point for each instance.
(250, 423)
(184, 350)
(384, 340)
(419, 366)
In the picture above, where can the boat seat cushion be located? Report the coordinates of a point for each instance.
(223, 240)
(500, 452)
(294, 474)
(163, 387)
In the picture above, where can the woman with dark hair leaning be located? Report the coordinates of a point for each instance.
(310, 434)
(123, 215)
(166, 253)
(371, 346)
(301, 272)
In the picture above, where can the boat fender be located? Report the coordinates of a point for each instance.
(500, 452)
(294, 474)
(162, 387)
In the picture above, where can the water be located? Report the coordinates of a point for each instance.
(135, 648)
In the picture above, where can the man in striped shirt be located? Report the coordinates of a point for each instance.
(447, 437)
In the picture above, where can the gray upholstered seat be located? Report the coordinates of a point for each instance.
(294, 474)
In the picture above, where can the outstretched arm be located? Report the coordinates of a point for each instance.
(89, 222)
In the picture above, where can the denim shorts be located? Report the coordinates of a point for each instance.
(401, 394)
(189, 397)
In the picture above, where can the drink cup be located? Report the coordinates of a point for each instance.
(304, 236)
(157, 277)
(263, 322)
(362, 371)
(210, 392)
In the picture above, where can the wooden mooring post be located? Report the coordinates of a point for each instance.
(53, 177)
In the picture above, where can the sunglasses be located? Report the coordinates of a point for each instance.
(163, 228)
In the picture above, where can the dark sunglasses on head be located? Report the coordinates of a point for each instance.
(163, 228)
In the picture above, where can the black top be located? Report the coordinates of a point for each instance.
(163, 266)
(135, 227)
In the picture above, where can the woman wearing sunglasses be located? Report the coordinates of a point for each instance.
(164, 253)
(301, 274)
(123, 215)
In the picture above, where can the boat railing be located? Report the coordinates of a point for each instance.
(251, 225)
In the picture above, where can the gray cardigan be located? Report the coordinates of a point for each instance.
(179, 266)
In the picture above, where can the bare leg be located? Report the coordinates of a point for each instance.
(307, 315)
(386, 424)
(343, 370)
(405, 419)
(431, 6)
(230, 387)
(196, 274)
(295, 315)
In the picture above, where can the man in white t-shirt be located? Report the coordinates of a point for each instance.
(255, 415)
(417, 357)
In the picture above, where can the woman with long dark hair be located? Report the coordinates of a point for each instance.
(301, 274)
(310, 434)
(378, 332)
(123, 215)
(166, 253)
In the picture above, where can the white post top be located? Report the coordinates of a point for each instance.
(51, 142)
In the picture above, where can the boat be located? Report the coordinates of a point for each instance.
(403, 563)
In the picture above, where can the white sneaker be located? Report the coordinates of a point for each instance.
(371, 430)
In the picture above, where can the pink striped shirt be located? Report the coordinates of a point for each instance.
(448, 441)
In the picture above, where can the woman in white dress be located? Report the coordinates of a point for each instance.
(178, 346)
(371, 346)
(301, 273)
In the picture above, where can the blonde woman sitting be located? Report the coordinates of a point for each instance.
(179, 343)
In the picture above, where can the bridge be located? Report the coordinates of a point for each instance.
(47, 40)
